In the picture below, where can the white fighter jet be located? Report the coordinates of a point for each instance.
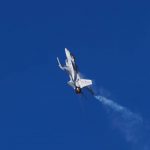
(76, 82)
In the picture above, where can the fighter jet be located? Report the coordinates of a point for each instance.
(76, 82)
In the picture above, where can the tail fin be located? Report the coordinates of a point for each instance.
(84, 82)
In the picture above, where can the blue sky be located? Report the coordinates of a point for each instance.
(110, 40)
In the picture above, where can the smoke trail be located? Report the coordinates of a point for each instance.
(128, 123)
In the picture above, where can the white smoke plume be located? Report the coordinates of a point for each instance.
(128, 123)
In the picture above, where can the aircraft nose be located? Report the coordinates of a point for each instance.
(67, 52)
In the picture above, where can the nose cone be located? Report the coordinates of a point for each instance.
(67, 52)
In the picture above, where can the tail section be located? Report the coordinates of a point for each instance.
(71, 84)
(84, 82)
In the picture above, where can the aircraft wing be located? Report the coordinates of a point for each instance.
(84, 83)
(59, 64)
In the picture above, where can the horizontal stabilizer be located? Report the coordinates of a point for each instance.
(71, 84)
(84, 82)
